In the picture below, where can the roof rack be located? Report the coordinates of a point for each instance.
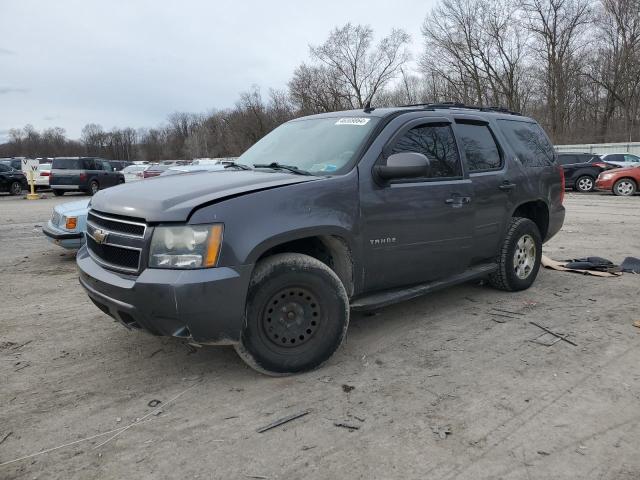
(446, 105)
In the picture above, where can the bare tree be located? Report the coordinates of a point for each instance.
(360, 69)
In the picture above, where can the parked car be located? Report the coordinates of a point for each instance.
(120, 165)
(12, 180)
(345, 210)
(133, 173)
(85, 174)
(621, 159)
(581, 170)
(155, 170)
(15, 163)
(192, 169)
(67, 225)
(621, 181)
(42, 178)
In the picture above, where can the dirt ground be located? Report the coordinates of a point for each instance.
(435, 388)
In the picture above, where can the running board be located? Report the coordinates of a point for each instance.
(388, 297)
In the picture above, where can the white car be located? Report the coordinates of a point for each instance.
(133, 173)
(621, 159)
(42, 175)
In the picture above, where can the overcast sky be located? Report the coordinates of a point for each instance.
(131, 63)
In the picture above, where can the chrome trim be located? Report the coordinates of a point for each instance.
(117, 245)
(112, 219)
(115, 232)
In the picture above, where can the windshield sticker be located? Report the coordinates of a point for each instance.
(358, 121)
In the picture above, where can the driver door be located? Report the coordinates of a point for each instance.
(418, 229)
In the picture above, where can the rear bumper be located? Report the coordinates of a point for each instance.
(63, 238)
(204, 306)
(65, 187)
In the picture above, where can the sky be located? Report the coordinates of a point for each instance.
(131, 63)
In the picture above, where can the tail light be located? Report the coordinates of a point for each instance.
(562, 183)
(83, 176)
(600, 164)
(45, 174)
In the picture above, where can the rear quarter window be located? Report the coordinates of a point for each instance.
(66, 164)
(529, 142)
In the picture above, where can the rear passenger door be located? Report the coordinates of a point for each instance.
(491, 181)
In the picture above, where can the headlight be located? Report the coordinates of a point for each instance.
(186, 246)
(606, 176)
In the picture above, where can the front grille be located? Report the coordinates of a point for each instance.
(116, 243)
(114, 256)
(116, 225)
(55, 219)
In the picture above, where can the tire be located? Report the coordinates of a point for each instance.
(58, 193)
(519, 256)
(585, 183)
(15, 188)
(94, 187)
(625, 187)
(296, 316)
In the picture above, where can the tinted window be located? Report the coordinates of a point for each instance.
(568, 159)
(479, 147)
(614, 158)
(106, 165)
(66, 164)
(529, 142)
(438, 144)
(4, 168)
(631, 158)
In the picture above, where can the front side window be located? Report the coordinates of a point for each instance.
(529, 142)
(67, 164)
(438, 144)
(631, 158)
(479, 147)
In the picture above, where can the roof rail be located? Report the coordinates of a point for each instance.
(445, 105)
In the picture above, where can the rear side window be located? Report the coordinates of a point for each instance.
(529, 142)
(66, 164)
(568, 159)
(479, 147)
(438, 144)
(4, 168)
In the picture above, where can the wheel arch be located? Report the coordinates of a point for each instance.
(332, 247)
(538, 212)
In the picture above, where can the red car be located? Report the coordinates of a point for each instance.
(621, 181)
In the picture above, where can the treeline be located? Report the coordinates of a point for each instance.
(574, 65)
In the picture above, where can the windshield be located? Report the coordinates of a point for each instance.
(317, 145)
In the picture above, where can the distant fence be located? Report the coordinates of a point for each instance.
(601, 148)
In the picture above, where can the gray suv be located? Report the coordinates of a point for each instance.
(329, 213)
(84, 174)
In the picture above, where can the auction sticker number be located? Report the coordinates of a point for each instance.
(358, 121)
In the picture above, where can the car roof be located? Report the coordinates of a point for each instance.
(430, 109)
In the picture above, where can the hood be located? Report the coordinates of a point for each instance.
(174, 197)
(77, 208)
(624, 170)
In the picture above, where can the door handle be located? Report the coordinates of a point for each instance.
(507, 186)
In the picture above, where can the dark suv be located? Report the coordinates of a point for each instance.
(86, 174)
(12, 180)
(339, 211)
(582, 169)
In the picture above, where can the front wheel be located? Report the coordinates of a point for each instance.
(625, 187)
(585, 184)
(15, 188)
(93, 187)
(297, 315)
(519, 256)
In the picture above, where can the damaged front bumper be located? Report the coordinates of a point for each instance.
(204, 306)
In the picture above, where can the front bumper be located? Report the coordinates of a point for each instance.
(203, 306)
(605, 184)
(63, 238)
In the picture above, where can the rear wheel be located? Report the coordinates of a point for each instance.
(296, 317)
(519, 257)
(585, 183)
(93, 187)
(58, 193)
(624, 187)
(15, 188)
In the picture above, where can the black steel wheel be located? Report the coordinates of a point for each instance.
(15, 188)
(296, 317)
(93, 187)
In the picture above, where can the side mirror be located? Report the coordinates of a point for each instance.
(403, 165)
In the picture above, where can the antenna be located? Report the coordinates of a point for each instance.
(367, 107)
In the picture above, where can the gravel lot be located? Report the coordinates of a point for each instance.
(434, 388)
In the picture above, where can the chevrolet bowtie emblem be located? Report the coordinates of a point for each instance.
(100, 236)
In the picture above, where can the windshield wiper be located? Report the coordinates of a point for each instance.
(280, 166)
(239, 166)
